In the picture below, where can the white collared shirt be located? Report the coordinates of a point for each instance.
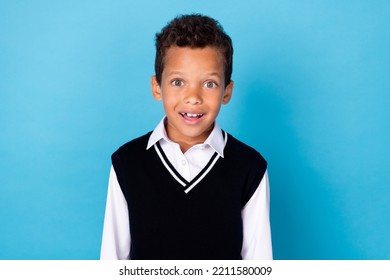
(116, 239)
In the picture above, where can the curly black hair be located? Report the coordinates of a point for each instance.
(194, 31)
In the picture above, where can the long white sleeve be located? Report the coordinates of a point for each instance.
(257, 243)
(116, 230)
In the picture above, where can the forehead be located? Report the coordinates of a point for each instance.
(193, 59)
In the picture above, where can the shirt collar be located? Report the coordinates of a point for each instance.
(215, 139)
(158, 133)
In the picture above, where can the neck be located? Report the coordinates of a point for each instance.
(186, 142)
(184, 147)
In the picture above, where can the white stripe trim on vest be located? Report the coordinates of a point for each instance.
(203, 172)
(168, 168)
(203, 175)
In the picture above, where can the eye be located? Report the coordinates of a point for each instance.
(177, 83)
(210, 84)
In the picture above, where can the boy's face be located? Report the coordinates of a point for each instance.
(192, 91)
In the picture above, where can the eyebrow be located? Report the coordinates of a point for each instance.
(175, 73)
(182, 73)
(214, 74)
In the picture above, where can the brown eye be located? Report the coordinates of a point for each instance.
(177, 83)
(210, 84)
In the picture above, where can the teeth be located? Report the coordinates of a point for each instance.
(192, 115)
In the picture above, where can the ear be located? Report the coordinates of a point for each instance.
(156, 90)
(227, 95)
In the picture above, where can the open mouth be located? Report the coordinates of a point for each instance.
(192, 116)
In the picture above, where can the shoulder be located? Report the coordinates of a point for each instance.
(245, 163)
(237, 150)
(132, 147)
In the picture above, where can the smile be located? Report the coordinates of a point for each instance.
(192, 116)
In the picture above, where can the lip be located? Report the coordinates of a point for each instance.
(192, 117)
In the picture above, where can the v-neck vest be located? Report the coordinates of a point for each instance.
(171, 218)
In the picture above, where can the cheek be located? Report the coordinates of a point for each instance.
(215, 101)
(169, 103)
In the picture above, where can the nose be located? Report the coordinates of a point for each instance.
(192, 96)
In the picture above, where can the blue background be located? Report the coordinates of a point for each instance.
(312, 94)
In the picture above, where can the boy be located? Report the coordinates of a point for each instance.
(188, 190)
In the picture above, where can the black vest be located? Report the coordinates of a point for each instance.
(194, 221)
